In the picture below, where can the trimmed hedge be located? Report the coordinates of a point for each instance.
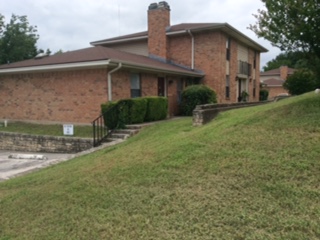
(263, 95)
(157, 108)
(196, 95)
(110, 114)
(135, 110)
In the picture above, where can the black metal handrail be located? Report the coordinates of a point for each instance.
(100, 131)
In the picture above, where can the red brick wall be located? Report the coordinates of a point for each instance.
(233, 63)
(158, 20)
(66, 96)
(275, 91)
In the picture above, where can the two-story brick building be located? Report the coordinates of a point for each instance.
(161, 61)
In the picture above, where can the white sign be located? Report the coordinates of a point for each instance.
(67, 129)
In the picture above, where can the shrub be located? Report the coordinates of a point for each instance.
(157, 108)
(110, 114)
(138, 110)
(196, 95)
(301, 81)
(135, 110)
(263, 95)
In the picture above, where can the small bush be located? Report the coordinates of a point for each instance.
(135, 110)
(196, 95)
(138, 110)
(110, 114)
(157, 108)
(263, 95)
(300, 82)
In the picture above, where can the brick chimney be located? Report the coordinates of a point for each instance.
(158, 21)
(283, 72)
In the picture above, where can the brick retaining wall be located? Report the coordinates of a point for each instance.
(50, 144)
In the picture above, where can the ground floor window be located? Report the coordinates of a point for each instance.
(254, 88)
(227, 86)
(135, 84)
(192, 81)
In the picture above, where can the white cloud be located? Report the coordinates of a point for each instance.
(73, 24)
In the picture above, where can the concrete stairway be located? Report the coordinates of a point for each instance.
(123, 134)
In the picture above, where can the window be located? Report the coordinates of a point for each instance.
(192, 81)
(255, 60)
(254, 88)
(227, 86)
(135, 85)
(228, 49)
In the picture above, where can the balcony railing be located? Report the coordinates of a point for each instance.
(244, 68)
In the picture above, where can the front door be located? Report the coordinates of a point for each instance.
(239, 90)
(161, 87)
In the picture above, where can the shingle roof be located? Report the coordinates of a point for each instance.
(174, 29)
(101, 53)
(273, 82)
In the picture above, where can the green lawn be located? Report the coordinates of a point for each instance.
(45, 129)
(251, 173)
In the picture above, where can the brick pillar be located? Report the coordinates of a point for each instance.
(158, 21)
(284, 72)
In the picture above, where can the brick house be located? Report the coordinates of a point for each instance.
(161, 61)
(273, 80)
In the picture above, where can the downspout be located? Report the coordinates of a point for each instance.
(192, 49)
(110, 81)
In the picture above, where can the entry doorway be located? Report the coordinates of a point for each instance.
(242, 87)
(161, 87)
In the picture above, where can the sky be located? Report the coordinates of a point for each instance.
(72, 24)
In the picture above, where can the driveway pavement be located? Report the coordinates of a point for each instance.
(14, 164)
(17, 163)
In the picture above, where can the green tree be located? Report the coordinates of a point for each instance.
(17, 39)
(300, 82)
(291, 59)
(291, 25)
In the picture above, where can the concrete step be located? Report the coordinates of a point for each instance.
(133, 126)
(119, 135)
(130, 132)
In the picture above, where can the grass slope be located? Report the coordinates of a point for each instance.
(250, 174)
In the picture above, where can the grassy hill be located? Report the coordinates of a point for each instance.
(252, 173)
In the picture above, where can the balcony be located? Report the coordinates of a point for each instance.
(244, 69)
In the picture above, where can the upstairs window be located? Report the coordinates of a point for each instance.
(135, 85)
(228, 43)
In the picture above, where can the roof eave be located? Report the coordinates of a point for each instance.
(65, 66)
(147, 68)
(98, 43)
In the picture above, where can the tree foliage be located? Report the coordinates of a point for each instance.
(17, 39)
(290, 59)
(300, 82)
(291, 25)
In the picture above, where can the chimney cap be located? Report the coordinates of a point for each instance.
(153, 6)
(162, 4)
